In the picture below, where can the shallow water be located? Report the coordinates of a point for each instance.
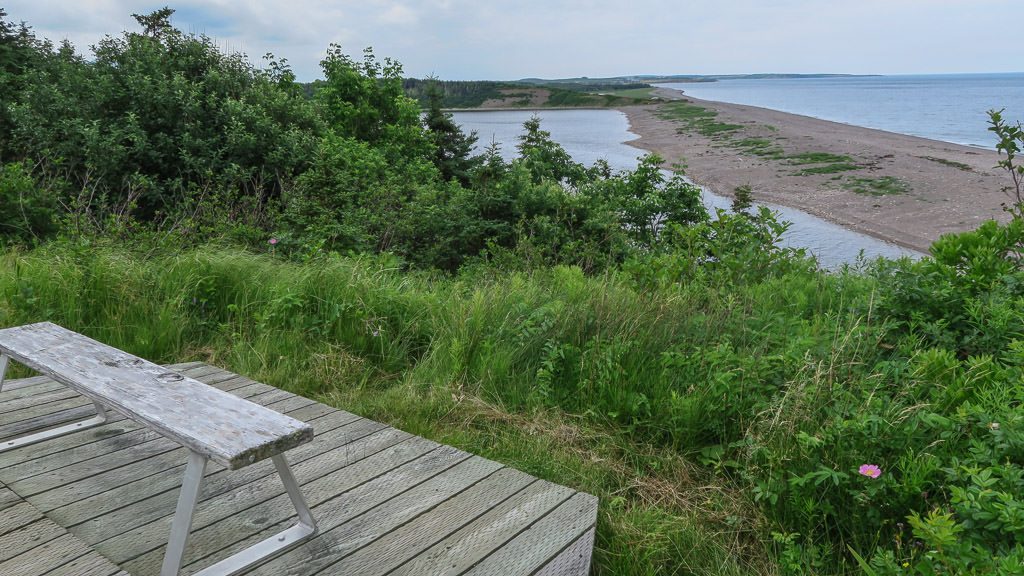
(589, 135)
(948, 107)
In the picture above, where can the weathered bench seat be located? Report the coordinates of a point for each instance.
(212, 424)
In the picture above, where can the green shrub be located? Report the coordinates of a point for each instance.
(28, 211)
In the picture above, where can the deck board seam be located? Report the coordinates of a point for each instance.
(459, 527)
(571, 543)
(410, 519)
(523, 530)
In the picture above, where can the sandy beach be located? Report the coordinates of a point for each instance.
(899, 188)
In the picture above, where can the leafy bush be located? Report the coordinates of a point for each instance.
(28, 211)
(967, 298)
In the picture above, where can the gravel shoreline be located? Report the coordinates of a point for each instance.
(902, 189)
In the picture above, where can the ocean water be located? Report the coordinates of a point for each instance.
(589, 135)
(949, 107)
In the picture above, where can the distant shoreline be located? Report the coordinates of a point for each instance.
(903, 189)
(528, 108)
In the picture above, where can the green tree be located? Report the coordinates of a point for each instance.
(647, 201)
(452, 147)
(19, 51)
(161, 124)
(365, 100)
(157, 23)
(545, 158)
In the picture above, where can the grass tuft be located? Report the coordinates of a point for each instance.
(828, 169)
(951, 163)
(883, 186)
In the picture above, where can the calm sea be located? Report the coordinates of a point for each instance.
(949, 107)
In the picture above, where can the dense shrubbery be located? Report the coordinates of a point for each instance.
(163, 131)
(613, 298)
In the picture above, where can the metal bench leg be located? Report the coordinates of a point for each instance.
(255, 554)
(3, 369)
(181, 526)
(99, 418)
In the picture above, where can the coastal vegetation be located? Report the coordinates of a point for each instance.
(527, 94)
(704, 121)
(832, 168)
(736, 409)
(951, 163)
(697, 118)
(757, 140)
(881, 186)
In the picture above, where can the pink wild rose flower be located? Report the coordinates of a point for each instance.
(870, 470)
(272, 241)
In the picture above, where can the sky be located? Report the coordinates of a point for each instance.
(506, 39)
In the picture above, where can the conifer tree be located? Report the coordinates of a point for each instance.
(452, 146)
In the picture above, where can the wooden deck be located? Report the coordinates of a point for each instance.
(99, 502)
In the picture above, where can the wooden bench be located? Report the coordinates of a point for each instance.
(212, 424)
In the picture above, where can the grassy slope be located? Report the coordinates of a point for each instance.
(455, 361)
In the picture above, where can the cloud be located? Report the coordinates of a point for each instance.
(501, 39)
(398, 14)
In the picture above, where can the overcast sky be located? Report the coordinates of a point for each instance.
(504, 39)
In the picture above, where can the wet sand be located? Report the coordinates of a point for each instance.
(941, 187)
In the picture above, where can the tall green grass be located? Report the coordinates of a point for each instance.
(720, 419)
(459, 361)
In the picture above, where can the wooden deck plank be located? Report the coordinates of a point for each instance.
(357, 518)
(44, 421)
(470, 544)
(43, 547)
(394, 548)
(17, 516)
(7, 497)
(574, 560)
(61, 554)
(36, 410)
(31, 386)
(59, 393)
(89, 565)
(45, 558)
(28, 537)
(538, 544)
(386, 502)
